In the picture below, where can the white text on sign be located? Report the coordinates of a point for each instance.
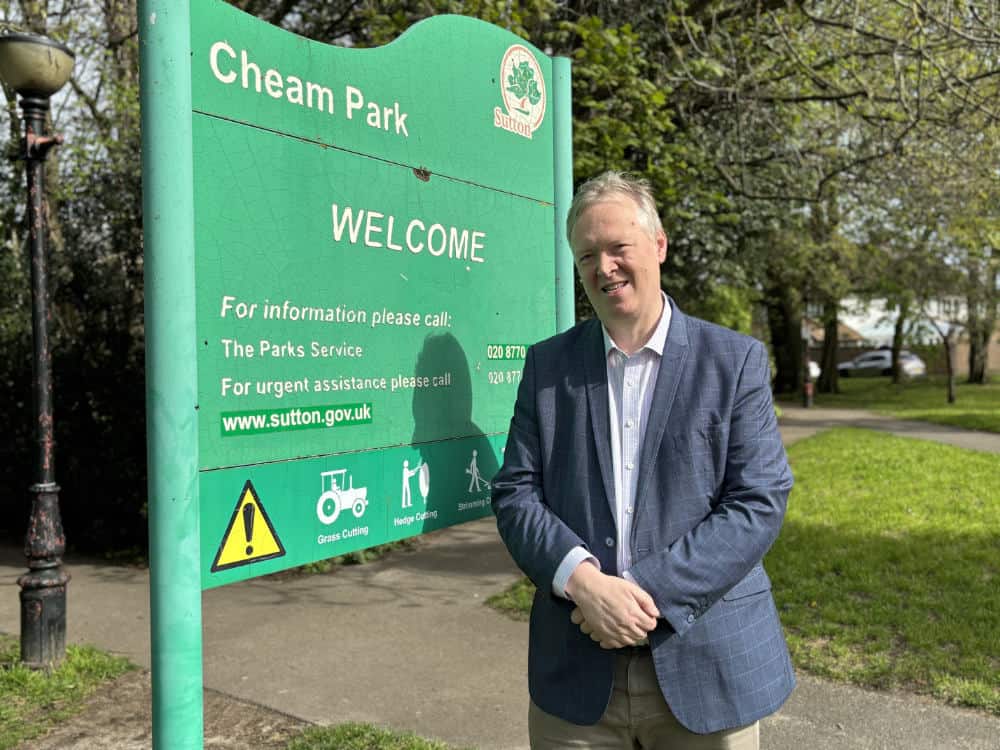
(378, 230)
(222, 59)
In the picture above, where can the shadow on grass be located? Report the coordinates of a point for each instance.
(893, 608)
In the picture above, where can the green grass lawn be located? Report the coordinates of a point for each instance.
(977, 407)
(887, 570)
(32, 701)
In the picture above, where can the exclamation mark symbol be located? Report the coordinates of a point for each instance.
(248, 511)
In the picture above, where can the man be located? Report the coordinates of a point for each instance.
(643, 480)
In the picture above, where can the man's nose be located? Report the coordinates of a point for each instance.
(606, 265)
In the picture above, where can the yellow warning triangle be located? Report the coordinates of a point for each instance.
(250, 537)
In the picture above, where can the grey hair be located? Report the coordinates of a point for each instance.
(610, 185)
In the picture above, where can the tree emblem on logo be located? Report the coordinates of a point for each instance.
(521, 81)
(522, 84)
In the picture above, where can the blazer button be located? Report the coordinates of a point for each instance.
(609, 542)
(690, 618)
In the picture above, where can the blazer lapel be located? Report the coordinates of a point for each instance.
(595, 373)
(675, 354)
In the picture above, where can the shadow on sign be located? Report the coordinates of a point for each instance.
(447, 413)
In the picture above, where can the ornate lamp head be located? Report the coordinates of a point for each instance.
(34, 66)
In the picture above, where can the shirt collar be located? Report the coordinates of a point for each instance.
(656, 342)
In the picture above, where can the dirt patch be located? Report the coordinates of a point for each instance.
(118, 716)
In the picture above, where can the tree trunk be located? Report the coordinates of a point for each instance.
(979, 343)
(785, 323)
(982, 321)
(897, 342)
(946, 340)
(828, 382)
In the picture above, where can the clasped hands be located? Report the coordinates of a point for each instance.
(612, 611)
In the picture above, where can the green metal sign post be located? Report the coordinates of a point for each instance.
(348, 253)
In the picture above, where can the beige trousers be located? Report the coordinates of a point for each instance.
(637, 717)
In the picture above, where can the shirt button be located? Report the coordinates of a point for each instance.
(628, 422)
(609, 542)
(630, 466)
(628, 510)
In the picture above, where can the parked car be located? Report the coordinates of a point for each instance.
(880, 363)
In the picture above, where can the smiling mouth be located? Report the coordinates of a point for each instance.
(612, 288)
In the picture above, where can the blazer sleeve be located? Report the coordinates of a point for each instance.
(536, 538)
(687, 577)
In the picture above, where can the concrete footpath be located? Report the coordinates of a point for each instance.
(408, 643)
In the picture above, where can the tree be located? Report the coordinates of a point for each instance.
(965, 242)
(795, 103)
(976, 232)
(93, 186)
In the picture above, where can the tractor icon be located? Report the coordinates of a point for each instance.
(336, 497)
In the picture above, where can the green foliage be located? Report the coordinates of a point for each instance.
(361, 737)
(382, 22)
(32, 701)
(726, 305)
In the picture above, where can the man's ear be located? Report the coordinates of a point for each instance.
(661, 246)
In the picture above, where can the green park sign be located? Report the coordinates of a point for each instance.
(374, 238)
(348, 253)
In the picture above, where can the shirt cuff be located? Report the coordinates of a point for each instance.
(573, 558)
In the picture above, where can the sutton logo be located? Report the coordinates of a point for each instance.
(523, 88)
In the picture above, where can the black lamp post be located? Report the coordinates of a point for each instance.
(36, 68)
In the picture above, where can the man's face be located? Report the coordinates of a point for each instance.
(619, 264)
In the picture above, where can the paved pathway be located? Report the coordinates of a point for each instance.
(407, 642)
(797, 423)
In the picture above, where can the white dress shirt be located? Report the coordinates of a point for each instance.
(631, 381)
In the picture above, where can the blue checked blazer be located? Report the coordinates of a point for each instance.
(711, 496)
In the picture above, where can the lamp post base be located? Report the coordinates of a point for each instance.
(43, 617)
(43, 586)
